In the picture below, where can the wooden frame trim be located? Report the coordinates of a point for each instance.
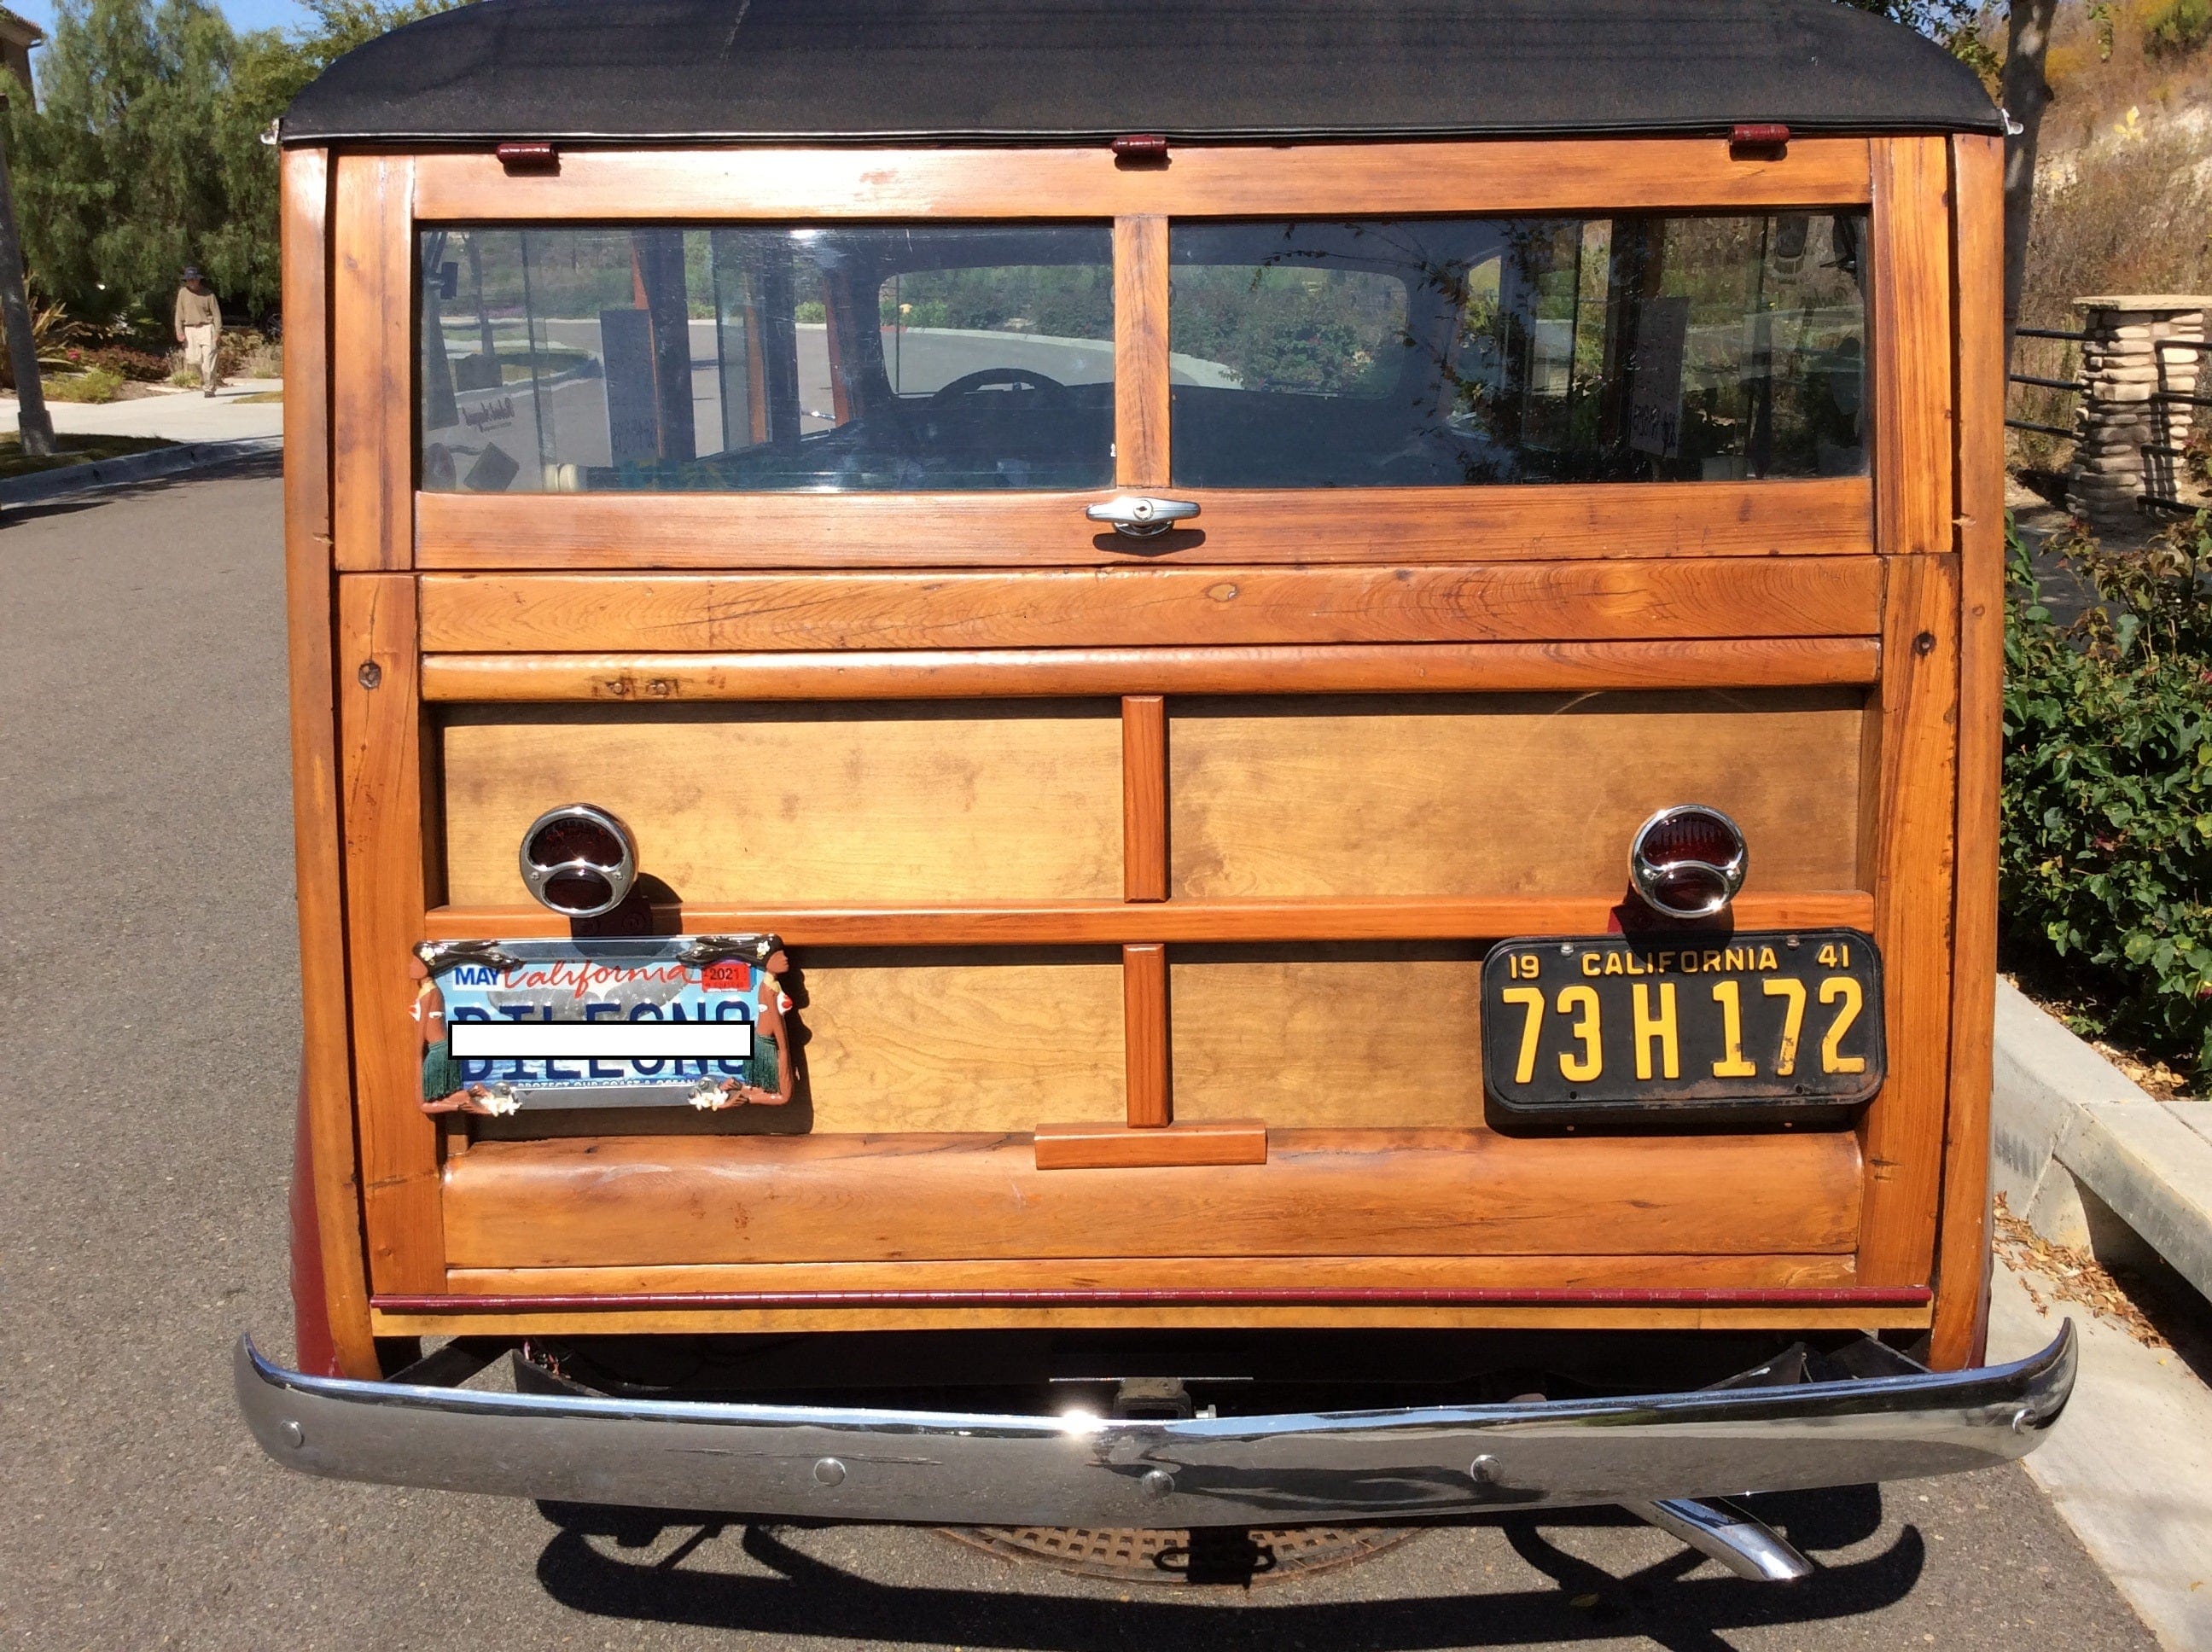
(326, 1056)
(1962, 1260)
(1145, 1034)
(1078, 923)
(373, 394)
(1188, 1296)
(1152, 1146)
(1548, 175)
(1829, 516)
(1141, 351)
(381, 727)
(1144, 797)
(961, 674)
(1910, 355)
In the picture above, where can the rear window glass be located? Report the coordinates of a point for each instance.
(765, 360)
(1428, 352)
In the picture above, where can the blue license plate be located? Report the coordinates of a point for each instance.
(663, 1022)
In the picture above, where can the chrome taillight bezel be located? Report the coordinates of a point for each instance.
(1660, 884)
(541, 877)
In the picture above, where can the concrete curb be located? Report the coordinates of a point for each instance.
(69, 480)
(2067, 1123)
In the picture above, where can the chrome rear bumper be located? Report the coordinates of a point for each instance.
(949, 1468)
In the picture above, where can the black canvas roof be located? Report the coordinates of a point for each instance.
(1009, 70)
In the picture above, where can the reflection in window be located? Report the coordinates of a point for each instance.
(767, 359)
(1432, 352)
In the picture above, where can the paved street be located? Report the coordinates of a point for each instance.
(148, 1032)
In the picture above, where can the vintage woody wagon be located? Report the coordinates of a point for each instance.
(1131, 764)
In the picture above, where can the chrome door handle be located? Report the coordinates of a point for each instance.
(1140, 518)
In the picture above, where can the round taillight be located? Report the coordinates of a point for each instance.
(1688, 861)
(578, 861)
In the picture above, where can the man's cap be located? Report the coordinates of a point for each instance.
(192, 272)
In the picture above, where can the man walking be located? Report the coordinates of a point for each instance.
(198, 326)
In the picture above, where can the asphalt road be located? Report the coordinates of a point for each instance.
(149, 1024)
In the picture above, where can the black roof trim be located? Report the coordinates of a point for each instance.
(1010, 71)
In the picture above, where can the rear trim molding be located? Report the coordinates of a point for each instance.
(1267, 1297)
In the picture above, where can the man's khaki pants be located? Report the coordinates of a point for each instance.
(199, 352)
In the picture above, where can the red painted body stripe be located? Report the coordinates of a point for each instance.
(1828, 1297)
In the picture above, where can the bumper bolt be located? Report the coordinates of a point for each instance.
(1157, 1483)
(291, 1433)
(828, 1471)
(1483, 1471)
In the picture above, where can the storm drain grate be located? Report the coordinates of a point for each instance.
(1231, 1554)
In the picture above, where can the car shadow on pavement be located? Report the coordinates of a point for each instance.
(788, 1592)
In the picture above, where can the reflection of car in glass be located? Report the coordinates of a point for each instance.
(1144, 766)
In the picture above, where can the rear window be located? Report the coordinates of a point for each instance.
(1427, 352)
(759, 359)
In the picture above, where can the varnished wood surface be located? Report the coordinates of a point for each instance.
(379, 740)
(1342, 1036)
(1145, 1034)
(1530, 795)
(1823, 516)
(954, 1042)
(1579, 602)
(1141, 351)
(1117, 922)
(310, 595)
(1561, 1273)
(1144, 797)
(1127, 1146)
(694, 1321)
(372, 399)
(932, 802)
(638, 1201)
(1910, 377)
(964, 674)
(1962, 1260)
(1546, 176)
(1916, 817)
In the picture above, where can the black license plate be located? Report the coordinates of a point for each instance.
(1613, 1027)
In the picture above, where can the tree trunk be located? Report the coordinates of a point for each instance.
(2026, 95)
(34, 425)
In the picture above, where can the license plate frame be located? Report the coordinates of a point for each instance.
(714, 1000)
(1592, 1048)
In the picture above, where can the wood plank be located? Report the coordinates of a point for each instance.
(1584, 601)
(1902, 1130)
(1342, 1036)
(1147, 1273)
(925, 802)
(968, 674)
(1141, 351)
(372, 404)
(310, 600)
(952, 1041)
(691, 1321)
(1145, 1034)
(1910, 378)
(1124, 1147)
(1116, 922)
(1962, 1258)
(1510, 175)
(1282, 798)
(637, 1201)
(380, 733)
(1814, 517)
(1144, 797)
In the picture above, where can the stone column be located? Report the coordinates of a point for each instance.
(2127, 361)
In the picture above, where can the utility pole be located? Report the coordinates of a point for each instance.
(34, 425)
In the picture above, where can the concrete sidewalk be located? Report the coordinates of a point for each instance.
(174, 416)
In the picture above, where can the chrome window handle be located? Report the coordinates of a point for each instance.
(1142, 517)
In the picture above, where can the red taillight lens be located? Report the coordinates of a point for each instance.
(573, 837)
(578, 861)
(578, 891)
(1688, 861)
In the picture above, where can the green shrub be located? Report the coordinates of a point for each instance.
(2106, 863)
(2177, 28)
(93, 385)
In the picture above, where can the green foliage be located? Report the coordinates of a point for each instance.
(145, 154)
(93, 385)
(2177, 28)
(2107, 835)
